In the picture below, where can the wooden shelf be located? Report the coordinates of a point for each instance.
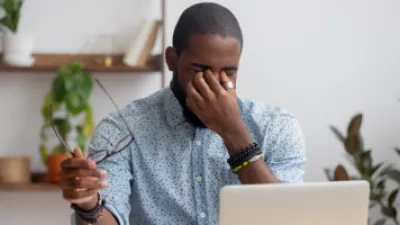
(29, 187)
(51, 62)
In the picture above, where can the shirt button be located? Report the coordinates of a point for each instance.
(202, 215)
(198, 178)
(198, 142)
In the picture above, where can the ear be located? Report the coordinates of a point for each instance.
(171, 58)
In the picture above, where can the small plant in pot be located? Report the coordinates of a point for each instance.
(17, 48)
(68, 99)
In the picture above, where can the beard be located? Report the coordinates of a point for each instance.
(189, 115)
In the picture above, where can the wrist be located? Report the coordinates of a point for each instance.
(89, 205)
(237, 139)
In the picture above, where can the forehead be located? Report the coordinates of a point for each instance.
(212, 50)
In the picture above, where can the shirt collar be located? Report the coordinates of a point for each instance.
(173, 110)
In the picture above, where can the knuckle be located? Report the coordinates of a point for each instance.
(224, 94)
(79, 173)
(221, 92)
(96, 173)
(87, 163)
(77, 182)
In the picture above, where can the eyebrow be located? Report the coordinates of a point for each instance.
(206, 67)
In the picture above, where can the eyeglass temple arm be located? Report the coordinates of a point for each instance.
(115, 104)
(55, 131)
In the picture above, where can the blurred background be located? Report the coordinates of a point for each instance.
(326, 62)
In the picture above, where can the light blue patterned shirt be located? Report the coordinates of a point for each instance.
(172, 173)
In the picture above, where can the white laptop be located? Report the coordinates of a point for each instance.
(322, 203)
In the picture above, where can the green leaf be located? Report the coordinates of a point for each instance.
(87, 122)
(85, 84)
(392, 197)
(88, 129)
(75, 102)
(376, 168)
(385, 170)
(11, 5)
(397, 151)
(366, 161)
(328, 174)
(64, 71)
(43, 136)
(380, 222)
(89, 115)
(75, 66)
(43, 153)
(389, 211)
(338, 134)
(80, 139)
(381, 185)
(46, 102)
(6, 21)
(63, 126)
(394, 175)
(61, 85)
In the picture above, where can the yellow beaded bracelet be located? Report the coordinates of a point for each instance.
(255, 158)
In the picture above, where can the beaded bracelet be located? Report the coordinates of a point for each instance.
(241, 156)
(88, 215)
(253, 159)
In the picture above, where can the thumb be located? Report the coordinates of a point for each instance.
(78, 153)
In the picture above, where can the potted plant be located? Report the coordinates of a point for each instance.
(377, 174)
(17, 48)
(72, 118)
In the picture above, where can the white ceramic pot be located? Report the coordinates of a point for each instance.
(17, 50)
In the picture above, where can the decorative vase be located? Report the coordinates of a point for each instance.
(54, 166)
(15, 170)
(17, 50)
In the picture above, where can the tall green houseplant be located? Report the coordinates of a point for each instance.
(377, 174)
(69, 94)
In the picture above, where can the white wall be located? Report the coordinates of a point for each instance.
(321, 60)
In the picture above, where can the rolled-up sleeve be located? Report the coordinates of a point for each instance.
(119, 170)
(286, 156)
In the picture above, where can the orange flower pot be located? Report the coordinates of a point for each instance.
(54, 166)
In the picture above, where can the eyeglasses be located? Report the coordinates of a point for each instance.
(100, 155)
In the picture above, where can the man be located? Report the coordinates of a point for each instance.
(183, 136)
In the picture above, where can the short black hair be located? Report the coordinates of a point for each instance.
(205, 18)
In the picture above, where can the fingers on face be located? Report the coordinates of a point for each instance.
(193, 97)
(201, 84)
(213, 82)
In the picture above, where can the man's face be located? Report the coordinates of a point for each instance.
(204, 52)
